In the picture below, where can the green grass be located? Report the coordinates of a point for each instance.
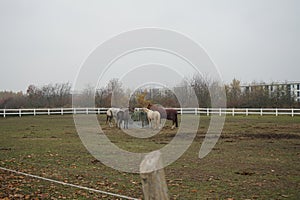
(255, 158)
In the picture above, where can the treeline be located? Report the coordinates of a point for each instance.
(114, 94)
(47, 96)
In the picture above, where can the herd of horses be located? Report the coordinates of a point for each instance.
(151, 115)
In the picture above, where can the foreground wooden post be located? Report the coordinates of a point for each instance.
(153, 177)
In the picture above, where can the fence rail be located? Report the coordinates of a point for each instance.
(202, 111)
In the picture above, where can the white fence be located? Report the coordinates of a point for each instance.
(202, 111)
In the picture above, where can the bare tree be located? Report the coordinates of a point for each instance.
(201, 88)
(233, 92)
(117, 94)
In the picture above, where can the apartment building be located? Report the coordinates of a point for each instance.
(291, 87)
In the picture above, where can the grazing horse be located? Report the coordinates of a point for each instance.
(143, 117)
(169, 114)
(123, 115)
(153, 117)
(110, 114)
(140, 115)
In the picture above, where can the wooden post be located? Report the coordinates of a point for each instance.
(153, 177)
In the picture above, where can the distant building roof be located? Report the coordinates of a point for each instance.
(273, 83)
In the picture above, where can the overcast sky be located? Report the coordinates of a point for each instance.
(45, 42)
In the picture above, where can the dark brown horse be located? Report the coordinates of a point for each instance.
(169, 114)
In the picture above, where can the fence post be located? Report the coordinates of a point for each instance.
(276, 112)
(181, 111)
(34, 113)
(247, 112)
(153, 177)
(220, 111)
(261, 112)
(62, 111)
(87, 111)
(4, 113)
(207, 111)
(292, 112)
(232, 111)
(196, 111)
(20, 112)
(48, 111)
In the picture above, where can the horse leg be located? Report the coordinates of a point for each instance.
(158, 124)
(120, 123)
(116, 121)
(106, 119)
(125, 124)
(173, 125)
(150, 122)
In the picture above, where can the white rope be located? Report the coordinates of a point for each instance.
(69, 184)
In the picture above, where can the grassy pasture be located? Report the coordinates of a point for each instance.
(255, 158)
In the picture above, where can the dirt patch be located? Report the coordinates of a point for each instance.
(5, 149)
(245, 173)
(273, 135)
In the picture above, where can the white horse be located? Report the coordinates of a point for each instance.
(153, 117)
(111, 113)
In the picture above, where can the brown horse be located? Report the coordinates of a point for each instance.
(169, 114)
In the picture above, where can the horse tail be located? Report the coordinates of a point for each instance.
(108, 115)
(120, 117)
